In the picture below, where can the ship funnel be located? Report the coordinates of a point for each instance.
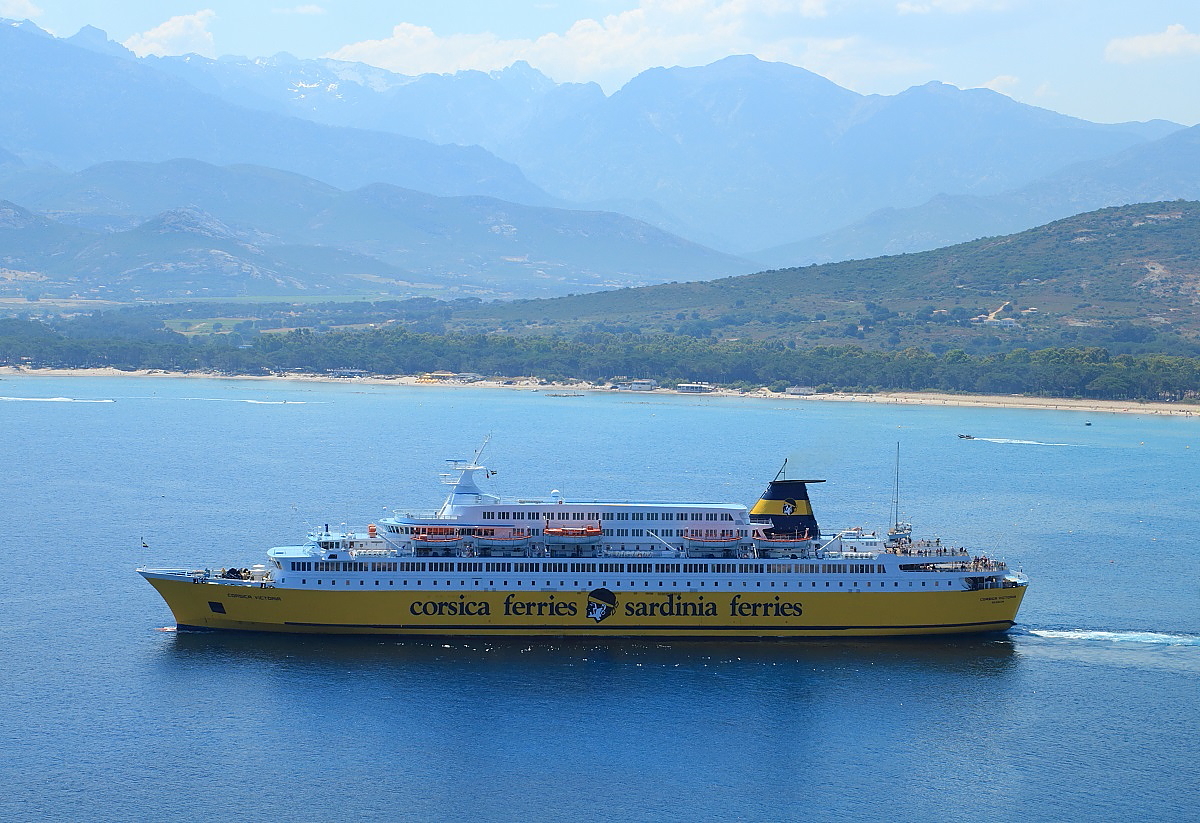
(785, 503)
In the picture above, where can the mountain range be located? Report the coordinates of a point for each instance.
(185, 228)
(734, 154)
(509, 184)
(74, 107)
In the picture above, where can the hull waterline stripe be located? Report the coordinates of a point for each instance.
(618, 629)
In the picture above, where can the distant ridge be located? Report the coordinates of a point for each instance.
(1134, 264)
(247, 231)
(1168, 168)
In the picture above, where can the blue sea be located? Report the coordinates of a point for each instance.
(1088, 710)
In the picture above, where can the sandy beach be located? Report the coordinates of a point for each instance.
(530, 384)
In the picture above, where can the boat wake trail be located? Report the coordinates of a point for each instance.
(254, 402)
(1019, 442)
(1154, 638)
(52, 400)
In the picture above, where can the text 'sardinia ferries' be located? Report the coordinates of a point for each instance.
(490, 566)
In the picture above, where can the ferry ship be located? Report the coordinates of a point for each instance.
(483, 565)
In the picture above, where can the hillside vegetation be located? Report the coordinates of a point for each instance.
(128, 342)
(1123, 274)
(1115, 291)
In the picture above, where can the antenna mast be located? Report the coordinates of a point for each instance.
(782, 470)
(479, 451)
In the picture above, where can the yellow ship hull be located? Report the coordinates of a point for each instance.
(583, 613)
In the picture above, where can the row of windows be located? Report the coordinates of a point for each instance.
(674, 533)
(493, 567)
(712, 516)
(620, 568)
(715, 584)
(553, 515)
(597, 516)
(340, 566)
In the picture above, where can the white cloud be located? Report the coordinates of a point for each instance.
(185, 34)
(614, 48)
(1173, 41)
(19, 10)
(308, 8)
(1004, 83)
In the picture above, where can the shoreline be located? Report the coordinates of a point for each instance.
(529, 384)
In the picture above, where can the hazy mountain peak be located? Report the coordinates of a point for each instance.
(936, 86)
(935, 99)
(741, 64)
(749, 67)
(283, 58)
(1151, 129)
(524, 74)
(26, 26)
(94, 39)
(936, 89)
(741, 76)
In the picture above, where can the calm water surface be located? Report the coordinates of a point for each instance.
(1087, 711)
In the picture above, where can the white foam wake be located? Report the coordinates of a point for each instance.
(1156, 638)
(53, 400)
(255, 402)
(1019, 442)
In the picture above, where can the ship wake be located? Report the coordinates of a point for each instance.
(1154, 638)
(1011, 442)
(252, 402)
(52, 400)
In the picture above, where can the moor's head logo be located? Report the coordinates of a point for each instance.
(789, 506)
(601, 604)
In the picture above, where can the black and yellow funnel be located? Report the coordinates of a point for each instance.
(785, 503)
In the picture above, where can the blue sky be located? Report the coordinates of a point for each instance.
(1105, 60)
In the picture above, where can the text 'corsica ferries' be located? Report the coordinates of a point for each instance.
(489, 566)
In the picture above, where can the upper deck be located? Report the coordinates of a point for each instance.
(307, 567)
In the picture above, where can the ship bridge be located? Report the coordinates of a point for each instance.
(464, 490)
